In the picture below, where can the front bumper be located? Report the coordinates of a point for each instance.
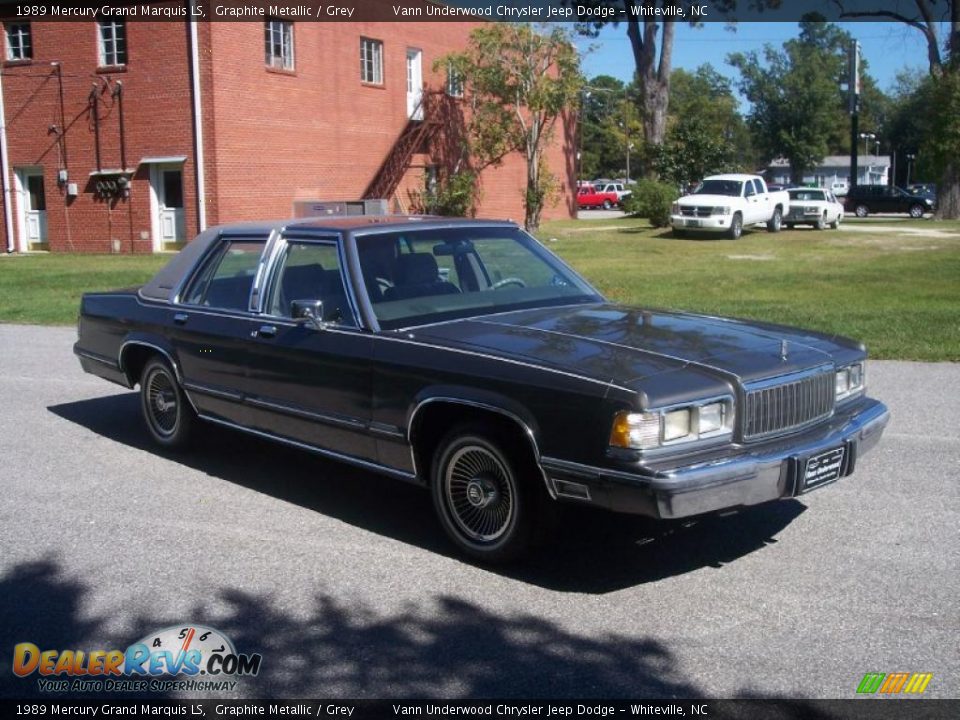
(743, 476)
(710, 223)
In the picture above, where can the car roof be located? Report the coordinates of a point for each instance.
(733, 176)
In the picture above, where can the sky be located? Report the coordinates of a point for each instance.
(887, 47)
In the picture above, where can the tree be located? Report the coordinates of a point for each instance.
(519, 82)
(691, 152)
(943, 62)
(651, 41)
(794, 96)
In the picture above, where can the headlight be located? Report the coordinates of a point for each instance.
(648, 430)
(850, 380)
(675, 209)
(721, 211)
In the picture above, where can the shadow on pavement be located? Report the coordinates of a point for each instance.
(592, 551)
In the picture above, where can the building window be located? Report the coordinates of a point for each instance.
(454, 82)
(113, 42)
(278, 44)
(371, 61)
(18, 41)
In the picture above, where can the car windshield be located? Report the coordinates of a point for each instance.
(430, 275)
(719, 187)
(807, 195)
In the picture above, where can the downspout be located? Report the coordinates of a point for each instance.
(197, 122)
(7, 209)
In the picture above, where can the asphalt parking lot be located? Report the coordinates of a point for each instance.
(345, 584)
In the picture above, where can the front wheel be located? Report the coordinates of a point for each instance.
(836, 223)
(821, 223)
(861, 211)
(916, 211)
(166, 410)
(736, 227)
(775, 222)
(479, 498)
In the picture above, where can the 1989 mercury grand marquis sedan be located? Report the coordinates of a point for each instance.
(463, 356)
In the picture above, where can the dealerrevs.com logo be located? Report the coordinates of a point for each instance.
(205, 656)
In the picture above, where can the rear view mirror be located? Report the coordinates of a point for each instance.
(309, 312)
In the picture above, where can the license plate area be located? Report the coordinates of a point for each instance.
(692, 223)
(822, 469)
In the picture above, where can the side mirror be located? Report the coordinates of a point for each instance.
(308, 312)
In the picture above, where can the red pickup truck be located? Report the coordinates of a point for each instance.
(589, 197)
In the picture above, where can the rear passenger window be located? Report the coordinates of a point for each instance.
(226, 279)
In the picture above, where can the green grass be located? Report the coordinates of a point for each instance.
(46, 289)
(899, 293)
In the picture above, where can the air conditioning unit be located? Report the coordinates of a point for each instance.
(321, 208)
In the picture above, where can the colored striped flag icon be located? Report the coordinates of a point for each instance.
(892, 683)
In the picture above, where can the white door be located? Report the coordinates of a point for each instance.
(170, 222)
(414, 84)
(33, 216)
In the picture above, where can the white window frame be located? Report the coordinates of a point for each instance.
(272, 30)
(118, 32)
(19, 41)
(454, 82)
(371, 61)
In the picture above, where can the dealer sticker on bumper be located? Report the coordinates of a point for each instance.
(823, 468)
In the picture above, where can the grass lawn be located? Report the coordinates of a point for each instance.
(46, 289)
(892, 283)
(898, 290)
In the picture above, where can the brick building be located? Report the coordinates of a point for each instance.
(128, 136)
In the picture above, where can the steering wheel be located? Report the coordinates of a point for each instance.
(508, 281)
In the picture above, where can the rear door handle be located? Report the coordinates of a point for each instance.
(180, 318)
(265, 331)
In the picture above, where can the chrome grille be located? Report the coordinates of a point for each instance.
(696, 210)
(788, 403)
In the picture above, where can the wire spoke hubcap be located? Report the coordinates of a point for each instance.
(162, 403)
(480, 493)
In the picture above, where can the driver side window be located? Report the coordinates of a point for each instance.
(311, 271)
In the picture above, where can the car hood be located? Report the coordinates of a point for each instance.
(707, 200)
(624, 346)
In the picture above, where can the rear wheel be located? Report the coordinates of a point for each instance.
(775, 222)
(916, 211)
(166, 410)
(736, 227)
(607, 205)
(861, 211)
(482, 503)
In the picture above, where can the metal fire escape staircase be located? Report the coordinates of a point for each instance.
(410, 142)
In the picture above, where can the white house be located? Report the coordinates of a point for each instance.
(834, 171)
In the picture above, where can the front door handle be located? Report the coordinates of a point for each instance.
(265, 331)
(180, 318)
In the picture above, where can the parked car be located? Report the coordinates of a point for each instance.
(865, 199)
(840, 188)
(728, 203)
(508, 387)
(924, 190)
(616, 188)
(813, 206)
(588, 196)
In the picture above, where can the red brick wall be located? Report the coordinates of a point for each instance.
(270, 137)
(157, 121)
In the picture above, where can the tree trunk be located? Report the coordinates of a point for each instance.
(533, 201)
(653, 75)
(948, 192)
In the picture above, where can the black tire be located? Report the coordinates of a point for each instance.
(679, 233)
(775, 223)
(607, 205)
(821, 223)
(790, 226)
(736, 227)
(861, 211)
(836, 223)
(484, 505)
(916, 211)
(169, 417)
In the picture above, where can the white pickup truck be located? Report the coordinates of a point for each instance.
(727, 203)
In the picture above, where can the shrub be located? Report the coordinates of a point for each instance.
(652, 200)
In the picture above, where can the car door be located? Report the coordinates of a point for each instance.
(752, 207)
(209, 326)
(307, 383)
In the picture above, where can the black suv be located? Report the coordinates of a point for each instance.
(865, 199)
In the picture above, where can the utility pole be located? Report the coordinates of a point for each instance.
(853, 85)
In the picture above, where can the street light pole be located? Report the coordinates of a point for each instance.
(910, 158)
